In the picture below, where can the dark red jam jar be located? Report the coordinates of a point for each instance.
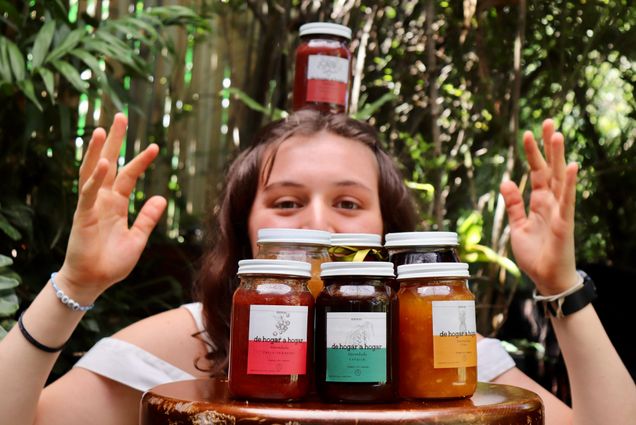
(422, 247)
(323, 68)
(355, 324)
(271, 331)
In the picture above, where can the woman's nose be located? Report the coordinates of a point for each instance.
(318, 217)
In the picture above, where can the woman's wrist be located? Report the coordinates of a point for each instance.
(81, 292)
(558, 284)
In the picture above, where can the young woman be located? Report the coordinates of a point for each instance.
(308, 171)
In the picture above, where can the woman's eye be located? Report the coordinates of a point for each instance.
(348, 205)
(283, 205)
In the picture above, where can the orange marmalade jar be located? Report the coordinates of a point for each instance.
(437, 340)
(311, 246)
(323, 68)
(271, 331)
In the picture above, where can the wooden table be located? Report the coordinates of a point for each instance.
(206, 401)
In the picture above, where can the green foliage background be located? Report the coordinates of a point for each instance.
(450, 85)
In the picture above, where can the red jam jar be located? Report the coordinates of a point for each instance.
(323, 68)
(271, 331)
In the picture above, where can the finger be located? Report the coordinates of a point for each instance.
(540, 173)
(113, 144)
(127, 177)
(535, 159)
(548, 131)
(514, 204)
(89, 191)
(558, 164)
(92, 155)
(568, 198)
(148, 218)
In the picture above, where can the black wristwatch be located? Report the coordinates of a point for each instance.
(573, 302)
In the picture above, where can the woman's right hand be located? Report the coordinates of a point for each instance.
(102, 249)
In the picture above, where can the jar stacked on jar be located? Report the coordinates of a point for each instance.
(311, 246)
(370, 345)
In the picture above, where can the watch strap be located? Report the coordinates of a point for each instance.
(573, 302)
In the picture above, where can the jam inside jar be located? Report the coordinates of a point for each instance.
(323, 68)
(355, 323)
(437, 339)
(271, 331)
(422, 247)
(311, 246)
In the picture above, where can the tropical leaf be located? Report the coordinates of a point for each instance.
(7, 283)
(27, 88)
(17, 60)
(5, 261)
(9, 304)
(8, 229)
(5, 68)
(479, 252)
(369, 109)
(70, 74)
(49, 81)
(42, 43)
(253, 104)
(91, 61)
(69, 43)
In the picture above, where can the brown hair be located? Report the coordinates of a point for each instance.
(228, 238)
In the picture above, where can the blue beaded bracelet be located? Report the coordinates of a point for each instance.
(66, 300)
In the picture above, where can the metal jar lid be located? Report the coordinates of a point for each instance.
(274, 267)
(403, 239)
(362, 268)
(369, 240)
(299, 236)
(325, 28)
(426, 270)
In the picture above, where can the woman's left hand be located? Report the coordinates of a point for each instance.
(543, 239)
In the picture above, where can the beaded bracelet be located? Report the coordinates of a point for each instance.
(34, 342)
(66, 300)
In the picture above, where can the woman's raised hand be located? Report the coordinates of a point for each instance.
(102, 249)
(543, 239)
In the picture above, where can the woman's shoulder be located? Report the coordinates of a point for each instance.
(162, 333)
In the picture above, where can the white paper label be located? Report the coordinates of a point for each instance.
(321, 67)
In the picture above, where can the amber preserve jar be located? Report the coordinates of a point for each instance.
(421, 247)
(354, 328)
(356, 247)
(271, 331)
(437, 340)
(323, 68)
(311, 246)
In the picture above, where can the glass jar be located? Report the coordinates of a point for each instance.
(354, 327)
(356, 247)
(323, 68)
(421, 247)
(311, 246)
(437, 340)
(271, 331)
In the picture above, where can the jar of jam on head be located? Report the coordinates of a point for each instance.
(421, 247)
(356, 247)
(271, 331)
(323, 68)
(437, 340)
(354, 328)
(311, 246)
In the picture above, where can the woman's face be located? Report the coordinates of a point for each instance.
(322, 182)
